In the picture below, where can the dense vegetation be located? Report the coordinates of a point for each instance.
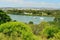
(16, 30)
(35, 12)
(4, 17)
(22, 31)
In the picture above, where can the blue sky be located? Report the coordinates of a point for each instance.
(30, 3)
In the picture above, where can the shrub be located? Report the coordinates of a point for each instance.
(49, 31)
(4, 37)
(42, 25)
(38, 28)
(57, 36)
(17, 29)
(4, 18)
(30, 22)
(34, 28)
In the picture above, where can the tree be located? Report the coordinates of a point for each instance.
(17, 29)
(4, 17)
(49, 31)
(30, 22)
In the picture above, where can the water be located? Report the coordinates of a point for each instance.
(34, 19)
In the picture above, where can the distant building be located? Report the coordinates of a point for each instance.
(27, 13)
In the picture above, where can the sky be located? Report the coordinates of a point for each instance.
(30, 3)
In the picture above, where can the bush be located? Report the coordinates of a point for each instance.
(30, 22)
(4, 18)
(38, 28)
(57, 36)
(42, 25)
(50, 31)
(17, 29)
(34, 28)
(4, 37)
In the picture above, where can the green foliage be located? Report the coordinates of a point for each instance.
(30, 22)
(34, 28)
(1, 11)
(4, 17)
(20, 31)
(57, 36)
(49, 31)
(41, 26)
(17, 29)
(38, 28)
(57, 19)
(4, 37)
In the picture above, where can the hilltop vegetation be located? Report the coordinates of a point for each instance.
(16, 30)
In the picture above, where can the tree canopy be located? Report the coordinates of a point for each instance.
(4, 17)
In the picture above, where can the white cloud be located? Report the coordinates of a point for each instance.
(41, 4)
(14, 1)
(31, 3)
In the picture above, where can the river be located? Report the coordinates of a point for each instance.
(34, 19)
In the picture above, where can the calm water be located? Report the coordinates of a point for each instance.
(35, 19)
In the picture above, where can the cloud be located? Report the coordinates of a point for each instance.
(12, 1)
(41, 4)
(26, 3)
